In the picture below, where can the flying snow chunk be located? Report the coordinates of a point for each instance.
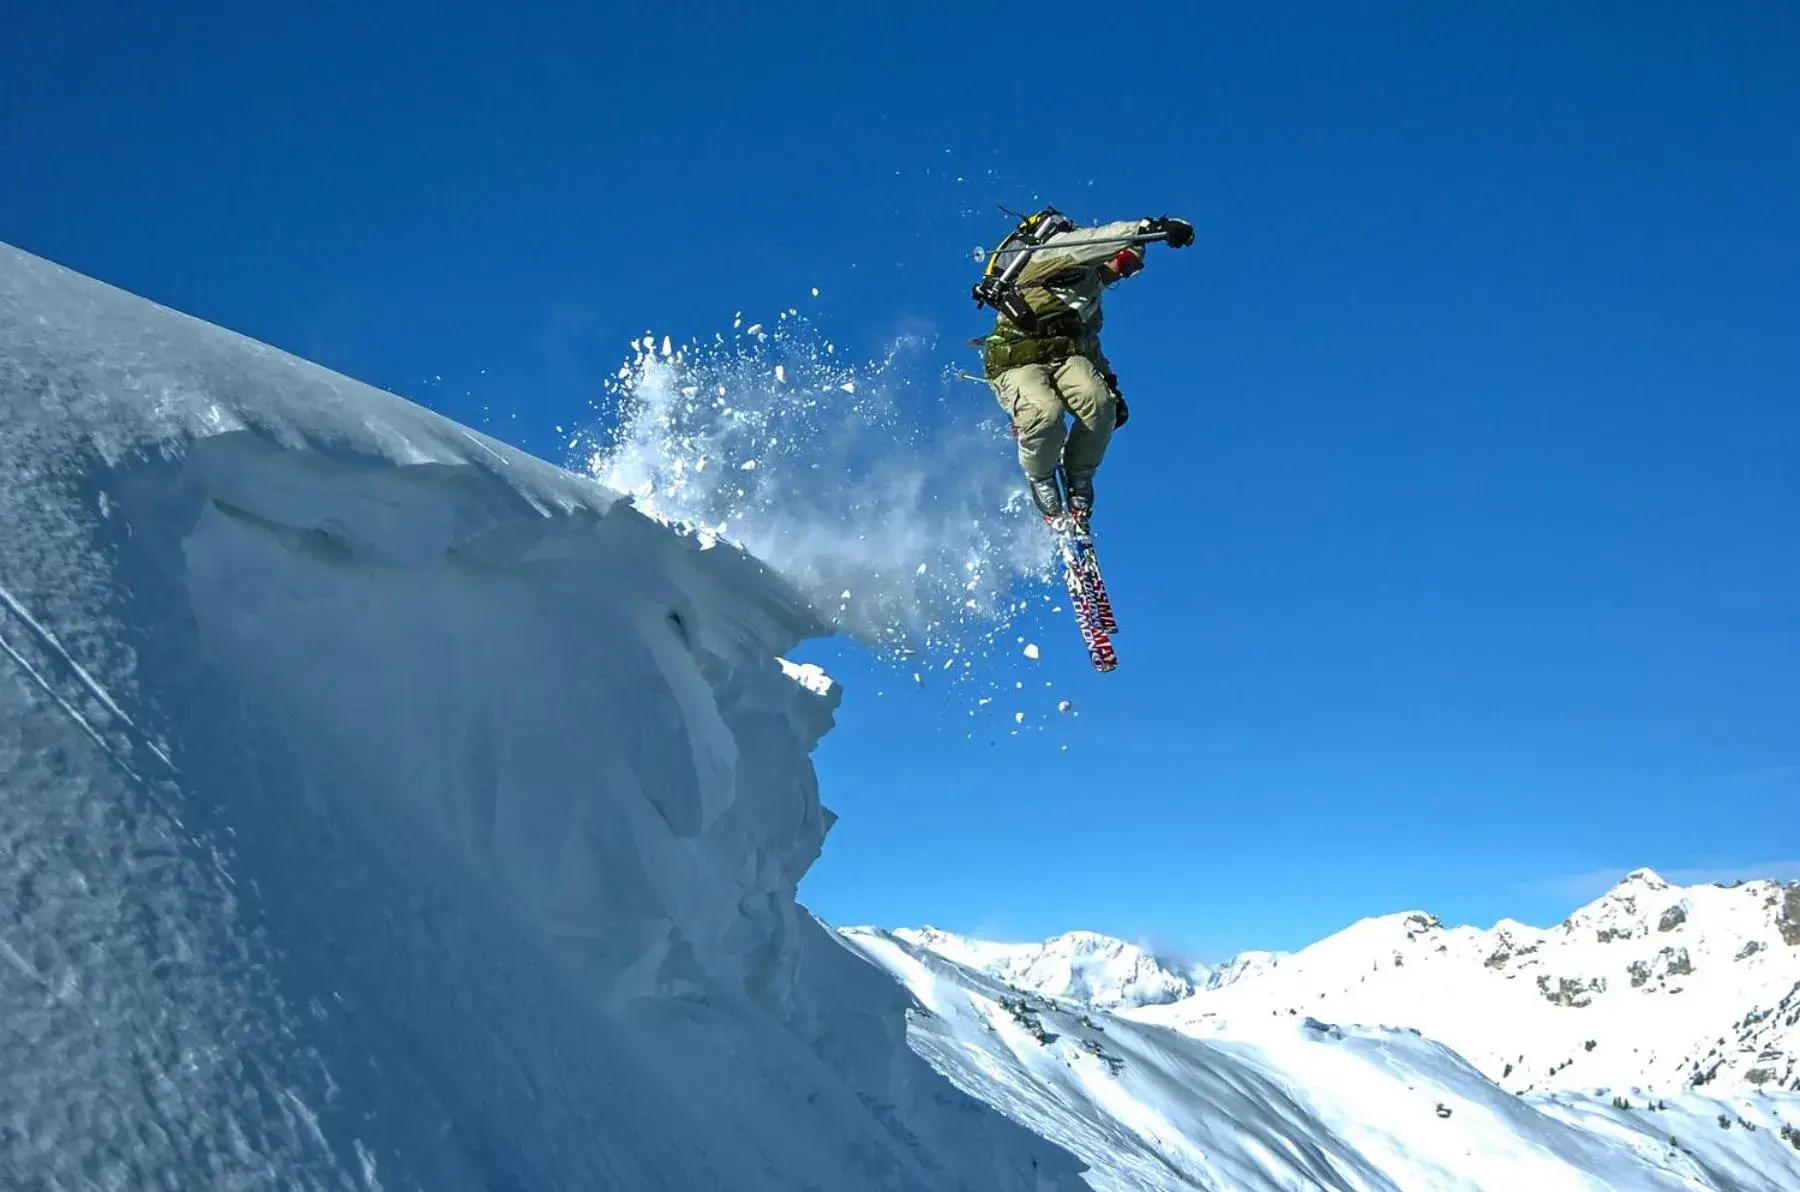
(815, 291)
(1063, 706)
(1018, 718)
(781, 374)
(1031, 651)
(754, 329)
(809, 675)
(748, 465)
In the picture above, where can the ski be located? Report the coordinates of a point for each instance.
(1087, 594)
(1096, 584)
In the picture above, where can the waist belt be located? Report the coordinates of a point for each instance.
(1002, 354)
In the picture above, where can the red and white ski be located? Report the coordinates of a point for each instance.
(1087, 593)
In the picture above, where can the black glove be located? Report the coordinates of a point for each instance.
(1121, 411)
(1179, 233)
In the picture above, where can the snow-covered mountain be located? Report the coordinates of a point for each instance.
(1079, 966)
(382, 808)
(1650, 986)
(1277, 1102)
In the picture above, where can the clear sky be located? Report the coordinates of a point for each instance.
(1454, 536)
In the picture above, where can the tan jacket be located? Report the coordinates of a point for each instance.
(1062, 285)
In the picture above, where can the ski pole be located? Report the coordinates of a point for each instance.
(982, 254)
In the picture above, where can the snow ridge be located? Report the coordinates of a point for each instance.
(1650, 986)
(1274, 1102)
(1077, 966)
(384, 808)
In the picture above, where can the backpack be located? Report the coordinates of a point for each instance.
(999, 287)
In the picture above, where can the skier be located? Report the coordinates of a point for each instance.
(1043, 358)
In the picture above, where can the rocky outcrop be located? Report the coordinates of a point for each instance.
(1574, 992)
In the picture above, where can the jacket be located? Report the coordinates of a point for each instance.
(1062, 286)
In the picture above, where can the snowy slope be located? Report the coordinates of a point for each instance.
(1281, 1103)
(1651, 986)
(383, 808)
(1082, 966)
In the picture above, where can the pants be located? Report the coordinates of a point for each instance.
(1035, 397)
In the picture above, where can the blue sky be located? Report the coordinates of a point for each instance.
(1454, 536)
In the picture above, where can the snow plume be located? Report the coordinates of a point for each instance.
(888, 494)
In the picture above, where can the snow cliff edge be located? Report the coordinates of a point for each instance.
(382, 807)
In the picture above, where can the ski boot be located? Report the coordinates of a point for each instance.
(1046, 494)
(1080, 486)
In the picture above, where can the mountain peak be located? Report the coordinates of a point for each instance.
(1078, 966)
(1089, 943)
(1649, 985)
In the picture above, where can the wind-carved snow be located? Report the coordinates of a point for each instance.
(894, 502)
(1078, 966)
(1274, 1102)
(383, 808)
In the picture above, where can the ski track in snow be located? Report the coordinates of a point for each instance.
(87, 680)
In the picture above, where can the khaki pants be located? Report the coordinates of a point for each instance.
(1035, 397)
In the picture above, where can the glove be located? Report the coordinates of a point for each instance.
(1178, 232)
(1126, 262)
(1121, 411)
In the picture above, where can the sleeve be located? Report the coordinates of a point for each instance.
(1089, 246)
